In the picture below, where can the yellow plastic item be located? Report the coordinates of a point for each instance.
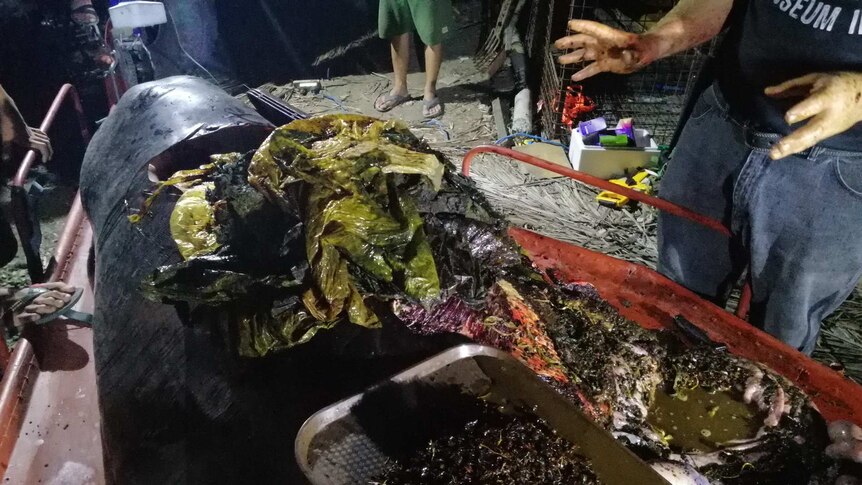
(192, 221)
(640, 182)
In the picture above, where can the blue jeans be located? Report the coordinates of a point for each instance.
(797, 222)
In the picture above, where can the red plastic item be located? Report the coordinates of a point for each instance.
(575, 105)
(651, 300)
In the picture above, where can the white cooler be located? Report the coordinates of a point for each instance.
(608, 163)
(137, 14)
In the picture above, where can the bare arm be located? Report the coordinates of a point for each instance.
(690, 23)
(12, 125)
(14, 130)
(831, 102)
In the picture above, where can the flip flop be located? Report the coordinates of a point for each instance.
(28, 295)
(386, 102)
(430, 104)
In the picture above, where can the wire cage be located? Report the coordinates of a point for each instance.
(654, 97)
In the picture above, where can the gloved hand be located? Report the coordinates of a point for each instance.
(832, 105)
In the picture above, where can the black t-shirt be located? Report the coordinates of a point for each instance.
(777, 40)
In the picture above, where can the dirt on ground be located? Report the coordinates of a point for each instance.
(52, 204)
(465, 91)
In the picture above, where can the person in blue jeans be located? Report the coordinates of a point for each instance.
(773, 149)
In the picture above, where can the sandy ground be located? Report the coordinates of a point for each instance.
(466, 122)
(465, 92)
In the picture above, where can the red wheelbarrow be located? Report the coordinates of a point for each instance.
(653, 301)
(49, 412)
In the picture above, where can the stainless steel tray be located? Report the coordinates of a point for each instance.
(333, 449)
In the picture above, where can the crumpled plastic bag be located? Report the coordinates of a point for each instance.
(352, 183)
(192, 223)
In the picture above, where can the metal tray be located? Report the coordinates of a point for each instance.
(333, 449)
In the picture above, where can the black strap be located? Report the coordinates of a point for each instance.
(8, 243)
(23, 302)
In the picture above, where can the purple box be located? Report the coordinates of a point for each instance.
(595, 125)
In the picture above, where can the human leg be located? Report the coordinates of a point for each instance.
(433, 60)
(701, 177)
(797, 223)
(400, 49)
(433, 20)
(805, 221)
(395, 24)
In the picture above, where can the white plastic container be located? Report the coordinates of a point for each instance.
(133, 15)
(608, 163)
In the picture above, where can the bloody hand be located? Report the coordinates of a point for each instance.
(612, 50)
(832, 104)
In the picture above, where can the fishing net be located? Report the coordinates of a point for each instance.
(566, 210)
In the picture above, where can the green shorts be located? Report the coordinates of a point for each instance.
(431, 19)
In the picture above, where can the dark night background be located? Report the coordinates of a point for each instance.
(241, 42)
(248, 42)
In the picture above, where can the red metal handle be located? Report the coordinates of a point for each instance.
(24, 223)
(660, 204)
(30, 158)
(20, 371)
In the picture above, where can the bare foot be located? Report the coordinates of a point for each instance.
(57, 296)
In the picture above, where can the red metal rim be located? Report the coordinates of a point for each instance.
(648, 298)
